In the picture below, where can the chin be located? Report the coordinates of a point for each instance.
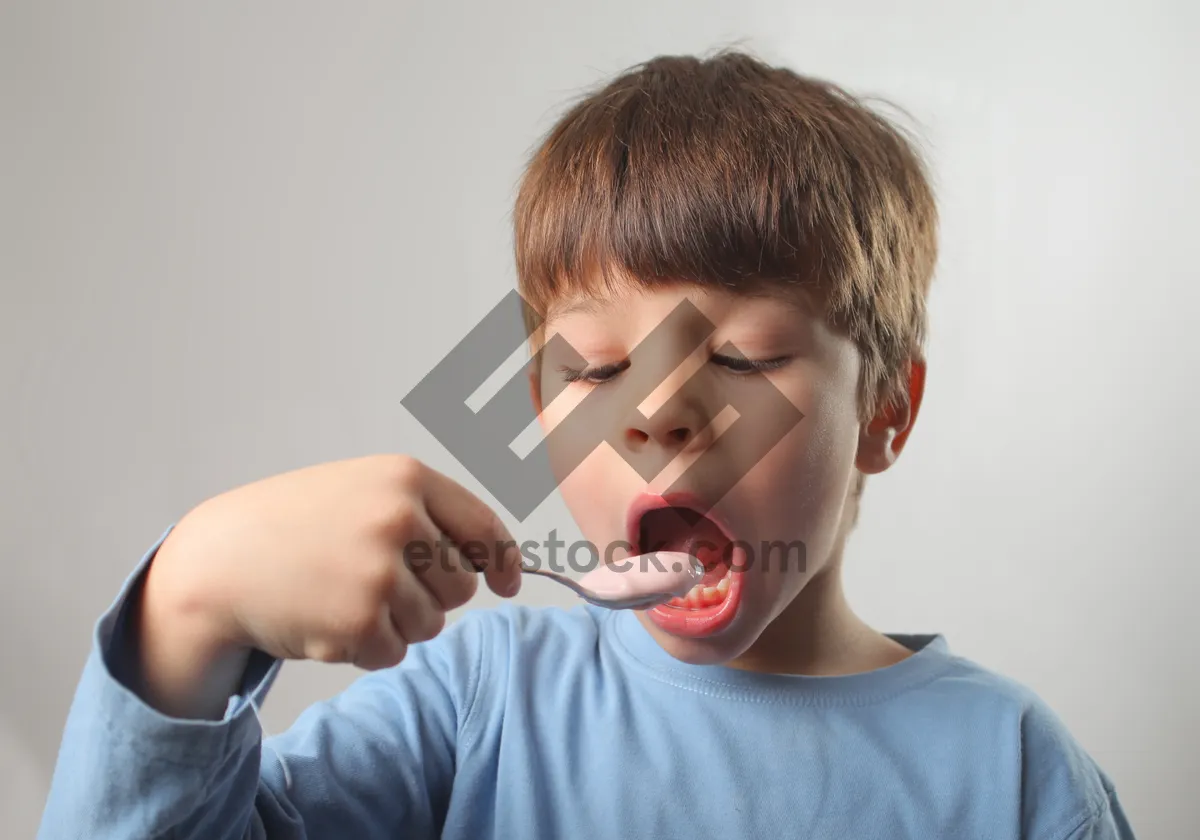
(706, 635)
(724, 614)
(717, 649)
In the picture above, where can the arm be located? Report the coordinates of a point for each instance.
(1108, 822)
(1065, 795)
(375, 762)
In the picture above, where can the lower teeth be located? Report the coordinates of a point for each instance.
(703, 596)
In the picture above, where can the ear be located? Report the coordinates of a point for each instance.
(882, 439)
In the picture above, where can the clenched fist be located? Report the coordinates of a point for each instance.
(350, 562)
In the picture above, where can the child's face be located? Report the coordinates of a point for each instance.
(793, 495)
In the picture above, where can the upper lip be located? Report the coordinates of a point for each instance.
(646, 502)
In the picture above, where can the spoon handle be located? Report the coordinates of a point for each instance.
(555, 576)
(640, 603)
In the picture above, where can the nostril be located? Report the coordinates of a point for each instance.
(636, 436)
(681, 436)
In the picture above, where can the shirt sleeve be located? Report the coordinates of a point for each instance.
(1065, 795)
(1108, 822)
(376, 761)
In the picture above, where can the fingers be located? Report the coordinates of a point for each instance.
(415, 613)
(481, 537)
(503, 574)
(415, 597)
(384, 648)
(438, 566)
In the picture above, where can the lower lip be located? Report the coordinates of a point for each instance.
(707, 621)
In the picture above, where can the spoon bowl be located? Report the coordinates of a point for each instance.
(648, 580)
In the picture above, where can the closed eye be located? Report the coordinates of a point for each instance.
(593, 375)
(741, 365)
(735, 364)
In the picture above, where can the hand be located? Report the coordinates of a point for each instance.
(350, 562)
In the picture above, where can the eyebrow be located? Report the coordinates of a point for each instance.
(581, 305)
(593, 305)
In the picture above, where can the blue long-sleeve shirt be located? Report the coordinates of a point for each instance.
(518, 722)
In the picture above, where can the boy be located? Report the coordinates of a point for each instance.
(698, 234)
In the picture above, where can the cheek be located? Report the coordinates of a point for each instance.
(591, 493)
(827, 444)
(588, 472)
(564, 442)
(575, 433)
(799, 488)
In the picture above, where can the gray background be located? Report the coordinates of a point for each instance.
(232, 235)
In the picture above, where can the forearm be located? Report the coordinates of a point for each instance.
(126, 769)
(182, 664)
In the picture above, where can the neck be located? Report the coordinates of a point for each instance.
(818, 634)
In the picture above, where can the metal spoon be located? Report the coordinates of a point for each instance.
(695, 573)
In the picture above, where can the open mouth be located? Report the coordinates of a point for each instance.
(677, 523)
(683, 529)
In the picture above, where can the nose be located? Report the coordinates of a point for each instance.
(673, 424)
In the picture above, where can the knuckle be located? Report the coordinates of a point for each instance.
(430, 623)
(325, 650)
(382, 657)
(399, 521)
(381, 580)
(417, 560)
(473, 556)
(395, 655)
(496, 530)
(398, 653)
(354, 628)
(461, 591)
(364, 625)
(406, 471)
(470, 585)
(405, 520)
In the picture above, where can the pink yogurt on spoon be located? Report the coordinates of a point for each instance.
(670, 574)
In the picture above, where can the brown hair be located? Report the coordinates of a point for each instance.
(728, 171)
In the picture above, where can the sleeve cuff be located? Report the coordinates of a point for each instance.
(106, 681)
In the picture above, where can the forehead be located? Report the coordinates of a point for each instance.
(712, 301)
